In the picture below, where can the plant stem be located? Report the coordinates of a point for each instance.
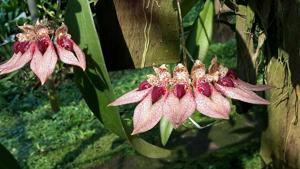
(181, 31)
(52, 95)
(33, 10)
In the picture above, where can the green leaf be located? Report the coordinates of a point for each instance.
(7, 160)
(94, 83)
(187, 5)
(201, 35)
(166, 129)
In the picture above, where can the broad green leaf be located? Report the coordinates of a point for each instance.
(7, 160)
(201, 35)
(166, 129)
(94, 83)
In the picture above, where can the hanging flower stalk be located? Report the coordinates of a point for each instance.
(177, 97)
(34, 45)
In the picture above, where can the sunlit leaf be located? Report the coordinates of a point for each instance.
(166, 129)
(201, 35)
(94, 83)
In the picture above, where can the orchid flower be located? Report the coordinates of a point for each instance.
(34, 44)
(66, 48)
(231, 86)
(179, 104)
(208, 100)
(151, 94)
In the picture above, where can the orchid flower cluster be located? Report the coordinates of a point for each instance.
(34, 44)
(177, 97)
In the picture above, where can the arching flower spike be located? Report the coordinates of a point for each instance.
(208, 100)
(179, 104)
(229, 85)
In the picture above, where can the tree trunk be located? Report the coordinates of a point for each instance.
(280, 142)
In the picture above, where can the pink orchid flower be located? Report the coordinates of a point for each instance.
(231, 86)
(66, 48)
(179, 104)
(208, 100)
(34, 44)
(151, 94)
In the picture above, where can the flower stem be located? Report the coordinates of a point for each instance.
(52, 95)
(181, 31)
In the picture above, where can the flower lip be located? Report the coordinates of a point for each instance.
(157, 93)
(144, 85)
(232, 74)
(20, 47)
(204, 87)
(226, 81)
(180, 90)
(43, 43)
(65, 42)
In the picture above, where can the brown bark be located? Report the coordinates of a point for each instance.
(280, 143)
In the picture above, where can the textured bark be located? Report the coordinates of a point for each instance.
(245, 48)
(164, 31)
(280, 143)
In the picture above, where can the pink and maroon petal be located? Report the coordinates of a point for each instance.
(67, 56)
(80, 56)
(241, 94)
(221, 102)
(44, 64)
(247, 86)
(187, 107)
(146, 115)
(133, 96)
(17, 61)
(10, 62)
(171, 108)
(208, 107)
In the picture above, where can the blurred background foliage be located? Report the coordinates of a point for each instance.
(74, 138)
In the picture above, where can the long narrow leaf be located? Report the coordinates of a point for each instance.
(95, 84)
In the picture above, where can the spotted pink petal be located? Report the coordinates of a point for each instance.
(68, 57)
(221, 102)
(43, 64)
(247, 86)
(178, 110)
(133, 96)
(17, 61)
(80, 56)
(146, 115)
(210, 106)
(241, 94)
(10, 62)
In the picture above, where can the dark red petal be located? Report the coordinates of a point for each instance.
(179, 90)
(65, 42)
(20, 47)
(226, 81)
(204, 88)
(144, 85)
(231, 73)
(157, 92)
(43, 44)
